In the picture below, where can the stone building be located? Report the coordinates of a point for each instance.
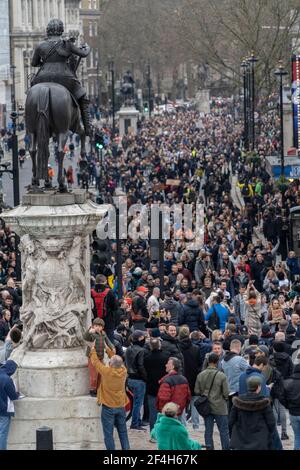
(4, 63)
(28, 21)
(91, 74)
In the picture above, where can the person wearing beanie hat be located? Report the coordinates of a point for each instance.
(105, 305)
(155, 333)
(251, 420)
(291, 401)
(139, 314)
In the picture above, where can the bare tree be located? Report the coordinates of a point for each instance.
(222, 32)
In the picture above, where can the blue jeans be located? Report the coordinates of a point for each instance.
(138, 388)
(4, 429)
(295, 422)
(222, 423)
(194, 415)
(110, 418)
(152, 410)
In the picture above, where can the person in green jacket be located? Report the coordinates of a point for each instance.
(170, 433)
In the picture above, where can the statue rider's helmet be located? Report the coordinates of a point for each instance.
(55, 28)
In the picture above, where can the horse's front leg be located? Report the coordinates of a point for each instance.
(62, 139)
(33, 153)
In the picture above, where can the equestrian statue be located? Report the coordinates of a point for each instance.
(56, 101)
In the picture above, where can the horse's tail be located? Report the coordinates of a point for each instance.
(43, 132)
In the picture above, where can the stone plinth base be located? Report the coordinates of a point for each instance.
(128, 118)
(75, 423)
(56, 388)
(202, 99)
(53, 373)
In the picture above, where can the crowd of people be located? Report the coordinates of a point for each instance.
(226, 323)
(232, 307)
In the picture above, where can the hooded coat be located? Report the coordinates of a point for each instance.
(291, 395)
(7, 387)
(173, 307)
(251, 423)
(265, 391)
(283, 363)
(171, 345)
(171, 434)
(192, 316)
(192, 361)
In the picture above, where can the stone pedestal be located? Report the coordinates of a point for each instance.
(128, 118)
(202, 99)
(53, 374)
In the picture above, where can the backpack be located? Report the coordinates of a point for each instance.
(100, 302)
(214, 321)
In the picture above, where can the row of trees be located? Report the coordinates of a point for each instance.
(212, 33)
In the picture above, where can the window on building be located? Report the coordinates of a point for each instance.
(90, 28)
(95, 28)
(95, 4)
(90, 4)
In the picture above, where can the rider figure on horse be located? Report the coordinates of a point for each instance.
(53, 56)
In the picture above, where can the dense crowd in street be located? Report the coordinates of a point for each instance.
(227, 322)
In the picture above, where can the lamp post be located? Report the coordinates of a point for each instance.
(252, 60)
(15, 160)
(244, 66)
(248, 82)
(112, 71)
(149, 87)
(280, 73)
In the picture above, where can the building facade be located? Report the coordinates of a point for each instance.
(28, 21)
(91, 74)
(5, 84)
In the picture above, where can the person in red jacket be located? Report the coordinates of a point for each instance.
(173, 387)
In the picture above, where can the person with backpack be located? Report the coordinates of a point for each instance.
(217, 315)
(105, 305)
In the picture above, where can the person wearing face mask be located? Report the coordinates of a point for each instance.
(137, 376)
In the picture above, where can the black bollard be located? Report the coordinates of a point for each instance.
(44, 438)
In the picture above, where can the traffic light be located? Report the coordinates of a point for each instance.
(146, 107)
(99, 141)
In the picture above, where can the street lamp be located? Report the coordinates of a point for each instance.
(252, 60)
(280, 73)
(245, 66)
(14, 117)
(112, 71)
(149, 84)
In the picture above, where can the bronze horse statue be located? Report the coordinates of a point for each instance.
(51, 111)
